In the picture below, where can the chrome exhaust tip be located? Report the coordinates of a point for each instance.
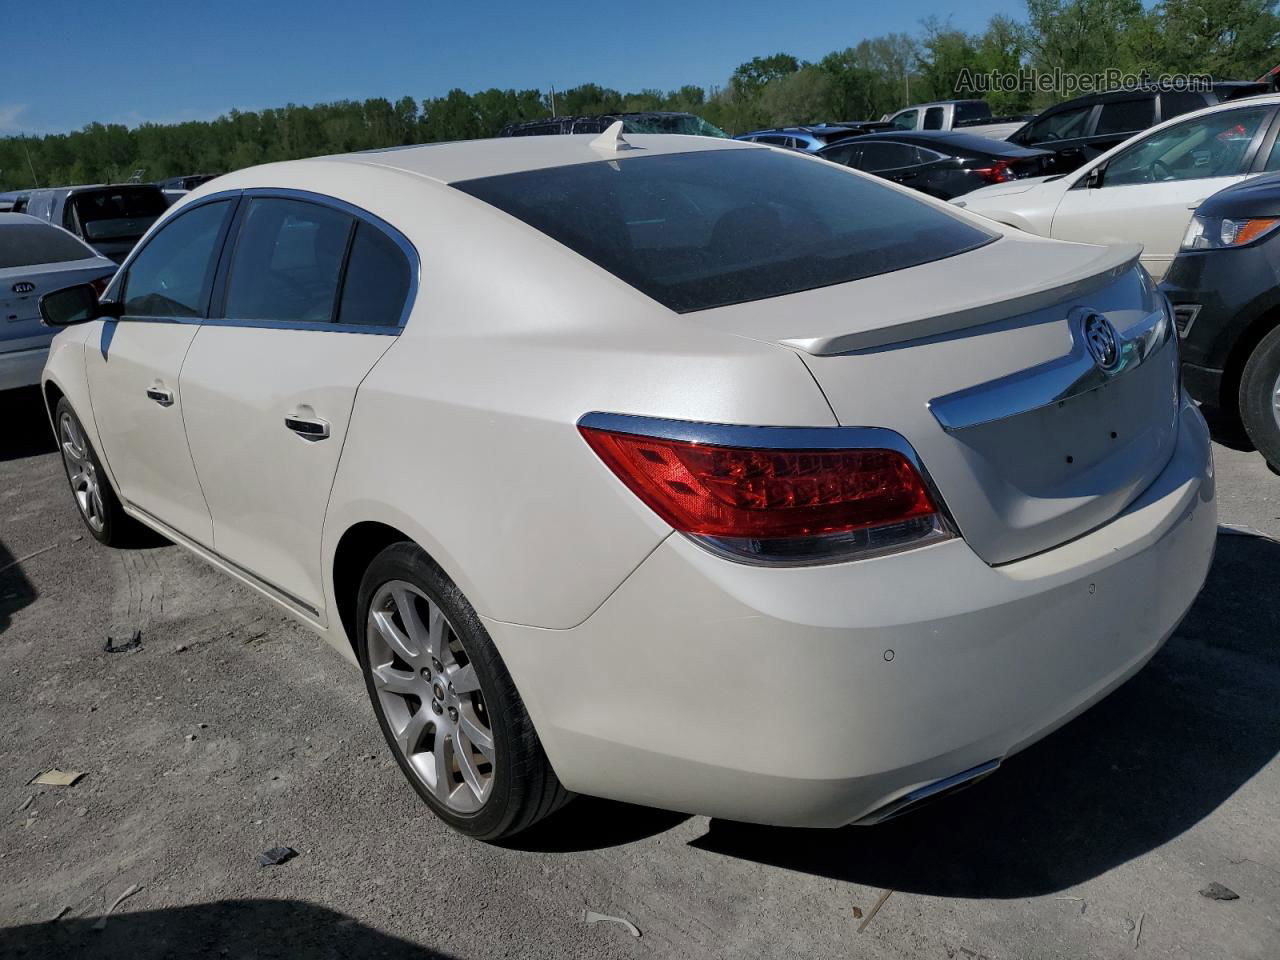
(929, 792)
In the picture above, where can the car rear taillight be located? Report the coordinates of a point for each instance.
(775, 503)
(997, 172)
(100, 285)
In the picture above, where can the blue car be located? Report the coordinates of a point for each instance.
(811, 139)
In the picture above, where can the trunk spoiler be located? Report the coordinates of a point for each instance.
(996, 290)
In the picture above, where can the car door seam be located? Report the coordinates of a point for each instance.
(182, 413)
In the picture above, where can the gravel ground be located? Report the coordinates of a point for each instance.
(231, 730)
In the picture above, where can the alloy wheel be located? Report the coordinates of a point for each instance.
(85, 483)
(430, 695)
(1275, 401)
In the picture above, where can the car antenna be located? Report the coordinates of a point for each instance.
(612, 140)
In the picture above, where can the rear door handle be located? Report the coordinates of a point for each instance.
(162, 397)
(308, 429)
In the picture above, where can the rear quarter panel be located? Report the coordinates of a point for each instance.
(464, 435)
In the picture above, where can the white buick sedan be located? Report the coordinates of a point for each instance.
(686, 472)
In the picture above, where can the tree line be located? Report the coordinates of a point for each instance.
(1228, 39)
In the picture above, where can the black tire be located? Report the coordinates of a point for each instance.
(109, 524)
(524, 787)
(1258, 384)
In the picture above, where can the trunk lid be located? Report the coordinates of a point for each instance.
(982, 362)
(20, 325)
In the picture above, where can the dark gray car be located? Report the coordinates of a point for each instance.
(111, 218)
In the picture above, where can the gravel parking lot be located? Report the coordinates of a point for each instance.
(232, 730)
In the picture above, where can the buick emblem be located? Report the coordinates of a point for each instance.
(1101, 341)
(23, 287)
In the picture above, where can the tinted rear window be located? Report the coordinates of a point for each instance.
(118, 212)
(700, 230)
(29, 244)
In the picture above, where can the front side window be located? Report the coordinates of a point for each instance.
(706, 229)
(1060, 126)
(172, 275)
(1212, 146)
(1126, 116)
(905, 120)
(287, 261)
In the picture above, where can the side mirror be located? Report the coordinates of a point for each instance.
(1094, 180)
(72, 305)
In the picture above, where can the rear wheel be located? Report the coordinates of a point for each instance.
(1260, 398)
(97, 502)
(445, 702)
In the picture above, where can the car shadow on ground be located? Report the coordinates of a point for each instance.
(1143, 766)
(26, 424)
(16, 591)
(263, 929)
(589, 823)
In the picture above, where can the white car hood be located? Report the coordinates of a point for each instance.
(1009, 189)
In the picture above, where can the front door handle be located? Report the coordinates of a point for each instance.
(308, 429)
(160, 396)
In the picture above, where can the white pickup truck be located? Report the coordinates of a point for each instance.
(971, 116)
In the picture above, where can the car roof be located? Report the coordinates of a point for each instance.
(472, 159)
(13, 219)
(1109, 96)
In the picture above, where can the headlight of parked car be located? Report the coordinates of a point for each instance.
(1211, 233)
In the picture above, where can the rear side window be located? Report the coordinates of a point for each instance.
(29, 244)
(933, 118)
(287, 261)
(1175, 103)
(377, 280)
(705, 229)
(1125, 116)
(886, 156)
(172, 274)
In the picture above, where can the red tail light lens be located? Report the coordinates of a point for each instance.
(806, 505)
(997, 172)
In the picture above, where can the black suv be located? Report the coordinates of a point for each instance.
(1079, 130)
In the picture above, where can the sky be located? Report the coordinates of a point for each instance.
(138, 61)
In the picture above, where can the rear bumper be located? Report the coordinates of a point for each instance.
(22, 368)
(820, 696)
(1204, 385)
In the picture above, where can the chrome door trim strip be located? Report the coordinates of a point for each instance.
(1056, 380)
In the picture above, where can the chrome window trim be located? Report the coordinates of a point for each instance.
(783, 438)
(306, 196)
(1056, 380)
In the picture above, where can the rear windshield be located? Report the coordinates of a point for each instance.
(706, 229)
(31, 244)
(118, 212)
